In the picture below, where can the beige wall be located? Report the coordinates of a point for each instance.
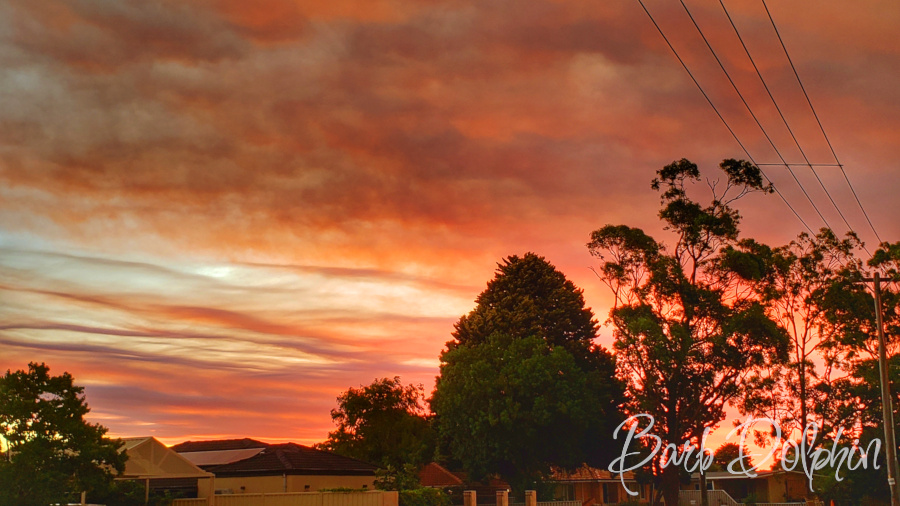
(205, 487)
(291, 483)
(615, 492)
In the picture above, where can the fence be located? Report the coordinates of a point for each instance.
(715, 497)
(721, 498)
(550, 503)
(190, 502)
(372, 498)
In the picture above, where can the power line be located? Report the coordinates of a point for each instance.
(722, 118)
(753, 115)
(818, 121)
(798, 164)
(785, 121)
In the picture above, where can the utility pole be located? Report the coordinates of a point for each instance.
(887, 407)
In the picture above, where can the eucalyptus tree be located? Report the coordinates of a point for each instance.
(689, 328)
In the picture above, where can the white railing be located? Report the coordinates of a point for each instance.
(715, 498)
(550, 503)
(721, 498)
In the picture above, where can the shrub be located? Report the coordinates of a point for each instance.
(423, 496)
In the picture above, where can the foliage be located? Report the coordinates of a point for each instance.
(383, 423)
(751, 499)
(391, 478)
(53, 452)
(523, 386)
(688, 325)
(793, 283)
(423, 496)
(529, 297)
(728, 453)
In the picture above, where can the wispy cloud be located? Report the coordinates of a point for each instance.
(247, 207)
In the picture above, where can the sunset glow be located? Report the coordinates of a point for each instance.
(219, 215)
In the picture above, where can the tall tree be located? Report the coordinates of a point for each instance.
(852, 346)
(523, 386)
(384, 423)
(688, 327)
(53, 452)
(799, 278)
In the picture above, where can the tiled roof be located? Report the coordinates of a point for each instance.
(435, 475)
(218, 445)
(219, 457)
(292, 458)
(586, 473)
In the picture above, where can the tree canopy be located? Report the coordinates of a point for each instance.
(688, 327)
(529, 297)
(53, 451)
(383, 423)
(523, 386)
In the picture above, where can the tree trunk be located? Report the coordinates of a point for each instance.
(802, 378)
(671, 484)
(704, 496)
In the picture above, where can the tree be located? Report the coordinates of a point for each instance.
(53, 452)
(688, 327)
(529, 297)
(799, 278)
(854, 400)
(383, 423)
(728, 453)
(523, 386)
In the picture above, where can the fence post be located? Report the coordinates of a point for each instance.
(530, 498)
(503, 498)
(469, 498)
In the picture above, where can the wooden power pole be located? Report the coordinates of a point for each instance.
(887, 407)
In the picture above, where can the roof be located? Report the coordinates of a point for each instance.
(241, 457)
(211, 458)
(586, 473)
(760, 475)
(435, 475)
(148, 458)
(218, 445)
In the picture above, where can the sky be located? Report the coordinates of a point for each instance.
(219, 215)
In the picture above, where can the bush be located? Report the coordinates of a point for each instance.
(423, 497)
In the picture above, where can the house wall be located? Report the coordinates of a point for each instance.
(791, 486)
(602, 492)
(205, 487)
(292, 483)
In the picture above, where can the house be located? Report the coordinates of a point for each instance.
(244, 466)
(434, 475)
(588, 485)
(158, 467)
(767, 487)
(597, 486)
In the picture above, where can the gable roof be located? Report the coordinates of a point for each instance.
(242, 457)
(436, 475)
(585, 473)
(148, 458)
